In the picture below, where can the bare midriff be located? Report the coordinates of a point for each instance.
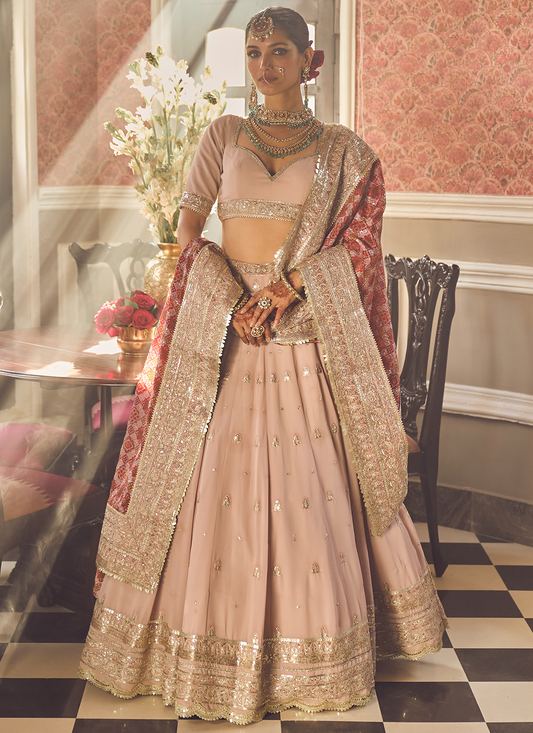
(258, 240)
(253, 240)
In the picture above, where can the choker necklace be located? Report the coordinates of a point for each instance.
(314, 130)
(278, 140)
(292, 120)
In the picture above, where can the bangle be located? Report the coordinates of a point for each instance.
(245, 297)
(293, 290)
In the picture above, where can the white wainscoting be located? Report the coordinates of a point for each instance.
(491, 276)
(459, 399)
(505, 209)
(67, 198)
(494, 404)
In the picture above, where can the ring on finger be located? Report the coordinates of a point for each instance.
(264, 303)
(257, 331)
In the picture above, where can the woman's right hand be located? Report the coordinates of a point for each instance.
(242, 323)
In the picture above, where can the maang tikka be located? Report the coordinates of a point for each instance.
(261, 28)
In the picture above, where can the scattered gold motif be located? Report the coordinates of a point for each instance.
(255, 639)
(256, 573)
(342, 557)
(318, 434)
(247, 378)
(217, 565)
(294, 538)
(273, 378)
(275, 441)
(316, 567)
(277, 570)
(334, 429)
(257, 507)
(277, 506)
(287, 376)
(306, 371)
(256, 285)
(296, 440)
(226, 376)
(227, 501)
(306, 504)
(259, 379)
(318, 369)
(329, 495)
(257, 443)
(237, 438)
(211, 631)
(198, 498)
(210, 436)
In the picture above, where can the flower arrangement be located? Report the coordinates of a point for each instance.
(139, 311)
(161, 138)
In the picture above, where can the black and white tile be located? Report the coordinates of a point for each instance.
(480, 682)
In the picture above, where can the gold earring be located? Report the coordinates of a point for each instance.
(253, 98)
(306, 73)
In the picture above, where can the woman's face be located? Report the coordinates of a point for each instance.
(275, 64)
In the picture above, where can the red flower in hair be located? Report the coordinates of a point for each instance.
(318, 60)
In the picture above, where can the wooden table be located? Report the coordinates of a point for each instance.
(70, 357)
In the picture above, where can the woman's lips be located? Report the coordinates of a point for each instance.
(269, 78)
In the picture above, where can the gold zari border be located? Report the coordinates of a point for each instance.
(241, 681)
(196, 202)
(134, 545)
(365, 403)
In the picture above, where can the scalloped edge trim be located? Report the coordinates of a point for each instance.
(224, 713)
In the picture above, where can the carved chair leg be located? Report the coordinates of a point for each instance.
(430, 496)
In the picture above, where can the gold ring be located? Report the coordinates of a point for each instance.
(257, 331)
(264, 303)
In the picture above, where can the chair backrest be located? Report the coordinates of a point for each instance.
(138, 253)
(425, 281)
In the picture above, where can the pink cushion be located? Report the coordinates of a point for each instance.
(25, 491)
(121, 408)
(30, 445)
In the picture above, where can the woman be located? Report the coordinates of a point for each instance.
(256, 554)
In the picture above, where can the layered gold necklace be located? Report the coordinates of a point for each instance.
(309, 128)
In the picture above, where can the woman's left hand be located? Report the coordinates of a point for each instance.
(280, 298)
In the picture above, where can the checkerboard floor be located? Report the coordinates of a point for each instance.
(481, 681)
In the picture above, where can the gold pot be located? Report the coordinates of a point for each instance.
(135, 341)
(160, 270)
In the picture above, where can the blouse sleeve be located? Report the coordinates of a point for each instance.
(202, 186)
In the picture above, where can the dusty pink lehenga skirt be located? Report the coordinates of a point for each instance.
(274, 594)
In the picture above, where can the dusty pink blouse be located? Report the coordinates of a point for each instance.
(238, 178)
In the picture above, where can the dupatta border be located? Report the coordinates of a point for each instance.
(134, 545)
(367, 409)
(343, 160)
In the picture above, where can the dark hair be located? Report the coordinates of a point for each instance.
(289, 21)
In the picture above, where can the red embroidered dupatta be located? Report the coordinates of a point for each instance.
(346, 309)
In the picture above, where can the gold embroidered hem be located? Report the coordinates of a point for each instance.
(216, 678)
(196, 202)
(257, 209)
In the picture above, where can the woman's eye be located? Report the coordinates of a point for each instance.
(280, 51)
(253, 54)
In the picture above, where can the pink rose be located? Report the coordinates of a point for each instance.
(142, 319)
(104, 319)
(124, 315)
(112, 332)
(144, 301)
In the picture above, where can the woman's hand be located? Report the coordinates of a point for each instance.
(280, 298)
(243, 324)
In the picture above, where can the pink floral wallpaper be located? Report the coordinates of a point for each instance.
(82, 51)
(445, 93)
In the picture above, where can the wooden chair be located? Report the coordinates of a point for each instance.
(137, 252)
(133, 257)
(426, 282)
